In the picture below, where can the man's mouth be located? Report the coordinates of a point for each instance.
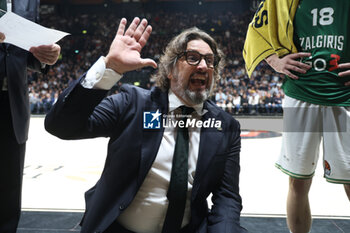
(198, 81)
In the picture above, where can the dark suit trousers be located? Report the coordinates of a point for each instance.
(117, 228)
(11, 169)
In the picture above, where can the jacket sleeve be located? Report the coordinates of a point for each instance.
(85, 113)
(270, 32)
(224, 216)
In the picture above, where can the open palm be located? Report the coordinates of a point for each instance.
(124, 53)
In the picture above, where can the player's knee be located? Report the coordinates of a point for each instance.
(300, 186)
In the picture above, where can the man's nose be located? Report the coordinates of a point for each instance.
(202, 64)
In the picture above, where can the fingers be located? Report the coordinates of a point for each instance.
(344, 66)
(2, 37)
(47, 54)
(131, 29)
(298, 66)
(290, 74)
(302, 67)
(293, 65)
(140, 29)
(295, 56)
(345, 73)
(148, 62)
(121, 27)
(145, 36)
(124, 54)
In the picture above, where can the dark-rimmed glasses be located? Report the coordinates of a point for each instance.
(193, 58)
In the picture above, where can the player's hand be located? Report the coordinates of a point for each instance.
(289, 63)
(345, 73)
(47, 54)
(124, 53)
(2, 37)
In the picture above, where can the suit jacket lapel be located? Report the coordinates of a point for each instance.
(152, 137)
(208, 145)
(210, 139)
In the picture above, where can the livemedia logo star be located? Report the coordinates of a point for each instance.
(151, 120)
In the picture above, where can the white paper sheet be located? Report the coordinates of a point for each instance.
(25, 34)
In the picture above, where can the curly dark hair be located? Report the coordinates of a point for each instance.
(178, 45)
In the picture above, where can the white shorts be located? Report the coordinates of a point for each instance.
(304, 126)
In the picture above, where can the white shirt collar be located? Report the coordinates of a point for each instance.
(175, 102)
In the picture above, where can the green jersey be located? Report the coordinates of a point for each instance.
(321, 27)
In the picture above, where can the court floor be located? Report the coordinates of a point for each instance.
(58, 172)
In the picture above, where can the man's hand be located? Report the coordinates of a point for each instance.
(288, 63)
(124, 53)
(47, 54)
(346, 72)
(2, 37)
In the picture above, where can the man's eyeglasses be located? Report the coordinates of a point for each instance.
(193, 58)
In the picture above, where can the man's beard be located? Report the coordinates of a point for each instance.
(195, 97)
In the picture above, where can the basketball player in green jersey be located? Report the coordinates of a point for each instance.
(317, 103)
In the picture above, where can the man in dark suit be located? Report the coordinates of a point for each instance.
(14, 112)
(142, 187)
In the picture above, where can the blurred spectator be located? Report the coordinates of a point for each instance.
(220, 97)
(244, 104)
(80, 50)
(253, 102)
(269, 103)
(236, 102)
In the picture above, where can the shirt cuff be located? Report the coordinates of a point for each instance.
(100, 77)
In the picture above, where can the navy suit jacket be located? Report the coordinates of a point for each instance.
(79, 113)
(14, 62)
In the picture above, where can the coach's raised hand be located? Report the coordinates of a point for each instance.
(124, 53)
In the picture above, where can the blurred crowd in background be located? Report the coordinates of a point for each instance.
(92, 33)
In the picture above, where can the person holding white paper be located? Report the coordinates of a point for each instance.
(14, 116)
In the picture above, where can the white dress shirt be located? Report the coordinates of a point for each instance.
(147, 211)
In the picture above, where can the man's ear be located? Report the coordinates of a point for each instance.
(170, 76)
